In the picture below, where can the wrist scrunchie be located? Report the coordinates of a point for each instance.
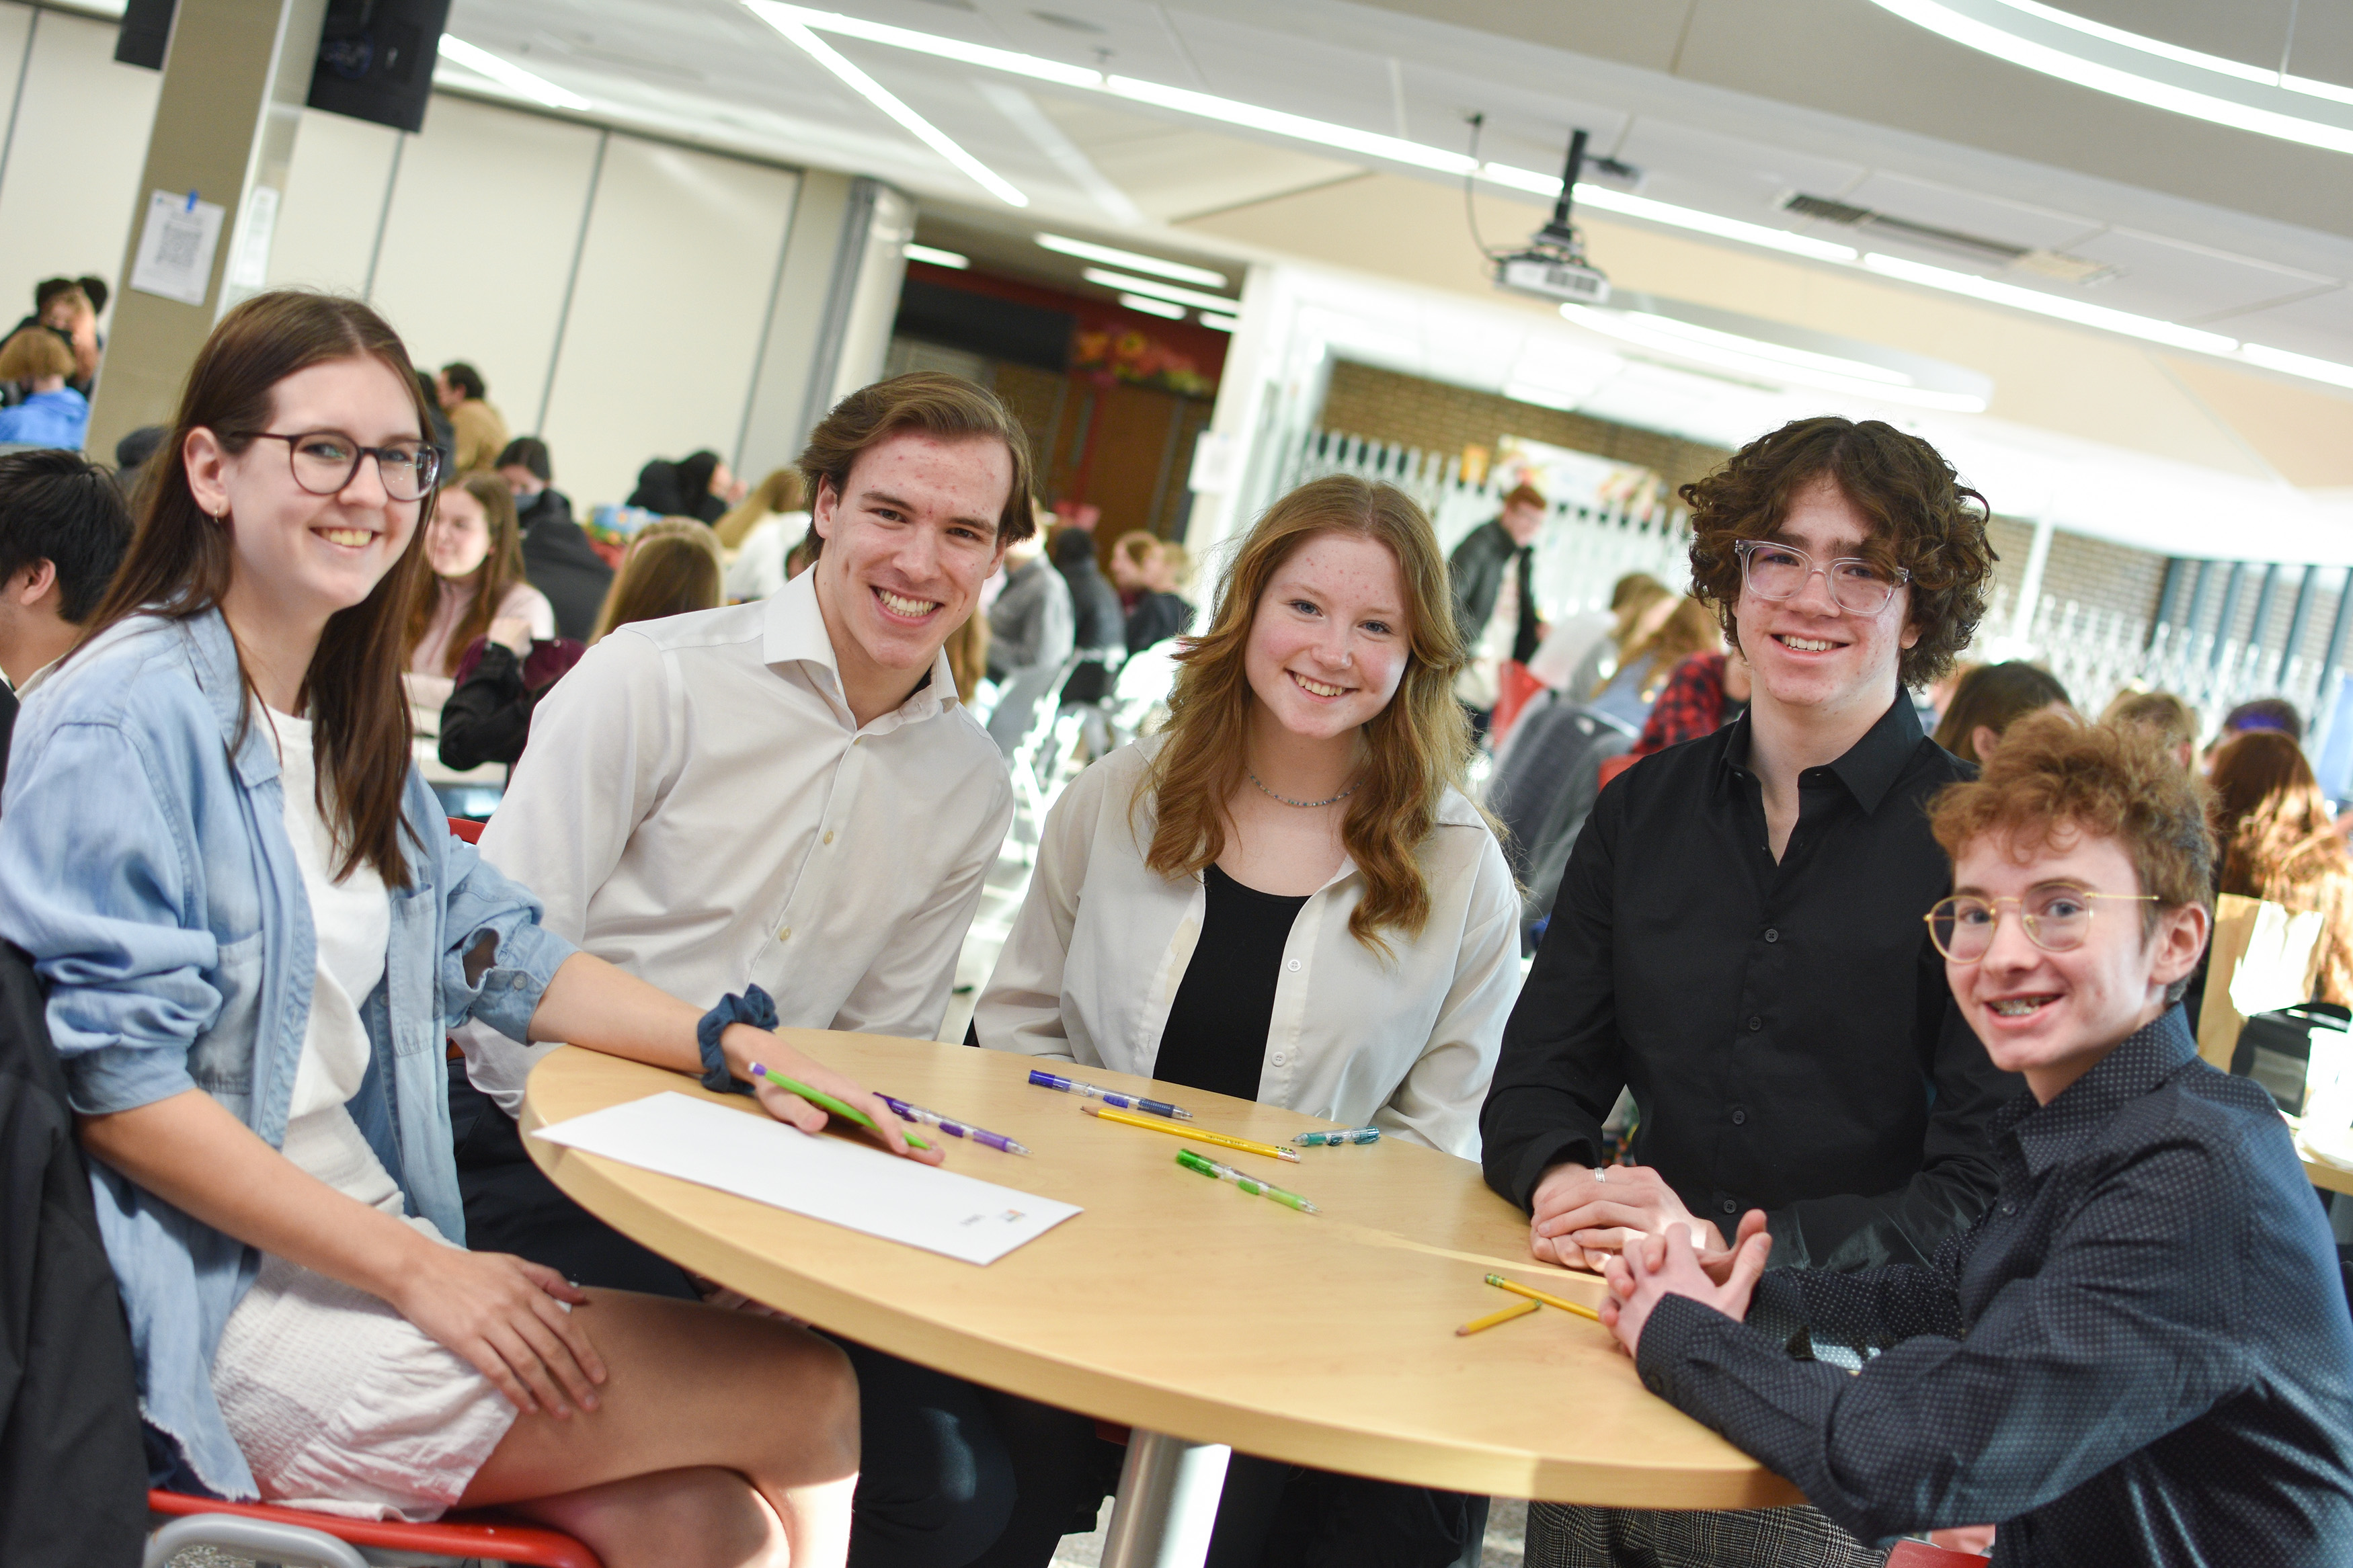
(754, 1007)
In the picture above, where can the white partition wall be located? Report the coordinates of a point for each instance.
(478, 242)
(334, 208)
(77, 141)
(667, 309)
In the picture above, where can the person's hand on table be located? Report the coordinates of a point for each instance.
(1654, 1267)
(745, 1044)
(1582, 1216)
(506, 1316)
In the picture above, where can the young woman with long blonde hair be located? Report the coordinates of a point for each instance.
(1284, 896)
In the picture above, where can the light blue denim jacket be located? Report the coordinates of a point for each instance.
(145, 867)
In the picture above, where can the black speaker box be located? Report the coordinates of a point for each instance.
(375, 57)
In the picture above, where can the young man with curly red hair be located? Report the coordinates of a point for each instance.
(1736, 937)
(2140, 1352)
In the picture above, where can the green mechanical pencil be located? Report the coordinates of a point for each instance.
(1249, 1183)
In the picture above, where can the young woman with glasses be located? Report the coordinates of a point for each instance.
(255, 928)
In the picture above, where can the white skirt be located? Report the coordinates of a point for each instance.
(341, 1404)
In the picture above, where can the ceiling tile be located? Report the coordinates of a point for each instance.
(2250, 31)
(2321, 326)
(2180, 282)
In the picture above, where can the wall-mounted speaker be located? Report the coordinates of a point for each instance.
(375, 57)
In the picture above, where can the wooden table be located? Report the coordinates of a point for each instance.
(2329, 1176)
(1190, 1311)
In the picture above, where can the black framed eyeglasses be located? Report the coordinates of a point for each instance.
(1776, 570)
(325, 462)
(2056, 919)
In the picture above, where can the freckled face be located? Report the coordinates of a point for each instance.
(1329, 641)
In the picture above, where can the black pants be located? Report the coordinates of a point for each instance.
(935, 1489)
(1271, 1515)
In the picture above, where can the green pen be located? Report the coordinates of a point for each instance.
(824, 1101)
(1249, 1183)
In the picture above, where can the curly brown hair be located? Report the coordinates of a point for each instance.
(1923, 520)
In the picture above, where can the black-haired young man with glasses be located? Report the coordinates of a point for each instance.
(1737, 938)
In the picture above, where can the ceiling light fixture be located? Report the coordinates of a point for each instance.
(1160, 291)
(881, 98)
(507, 74)
(1787, 363)
(1087, 250)
(2148, 329)
(1217, 324)
(1160, 308)
(929, 257)
(2145, 70)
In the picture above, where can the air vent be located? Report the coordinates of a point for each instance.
(1970, 245)
(1068, 24)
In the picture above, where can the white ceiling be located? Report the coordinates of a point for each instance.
(1722, 113)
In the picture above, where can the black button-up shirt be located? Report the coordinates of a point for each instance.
(2139, 1354)
(1785, 1026)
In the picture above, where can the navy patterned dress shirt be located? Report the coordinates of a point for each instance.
(2140, 1353)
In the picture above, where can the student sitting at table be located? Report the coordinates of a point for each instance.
(786, 794)
(1284, 896)
(2140, 1352)
(252, 923)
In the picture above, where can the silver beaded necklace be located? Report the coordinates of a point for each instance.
(1303, 804)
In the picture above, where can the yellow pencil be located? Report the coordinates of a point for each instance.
(1516, 1289)
(1223, 1141)
(1516, 1310)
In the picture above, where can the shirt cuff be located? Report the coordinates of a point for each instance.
(1558, 1148)
(508, 993)
(124, 1077)
(1677, 1327)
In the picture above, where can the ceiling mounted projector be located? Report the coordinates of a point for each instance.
(1552, 267)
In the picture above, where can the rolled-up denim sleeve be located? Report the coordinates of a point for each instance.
(482, 901)
(95, 885)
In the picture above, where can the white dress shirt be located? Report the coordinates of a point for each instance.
(1405, 1042)
(698, 805)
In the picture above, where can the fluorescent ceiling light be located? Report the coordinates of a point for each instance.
(924, 253)
(1777, 363)
(1087, 250)
(794, 20)
(1159, 291)
(1160, 308)
(507, 74)
(1217, 324)
(881, 98)
(2127, 65)
(2058, 305)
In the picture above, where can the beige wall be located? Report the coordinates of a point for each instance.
(613, 289)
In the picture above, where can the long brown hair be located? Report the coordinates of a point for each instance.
(180, 560)
(672, 567)
(494, 579)
(2280, 844)
(1419, 746)
(783, 491)
(1688, 629)
(1994, 697)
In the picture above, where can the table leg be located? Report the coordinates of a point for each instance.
(1168, 1491)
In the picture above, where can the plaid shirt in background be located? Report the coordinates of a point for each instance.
(1689, 706)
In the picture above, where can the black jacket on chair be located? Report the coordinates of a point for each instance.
(73, 1473)
(558, 561)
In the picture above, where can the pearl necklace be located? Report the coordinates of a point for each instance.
(1303, 804)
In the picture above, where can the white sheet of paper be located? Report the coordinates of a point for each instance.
(825, 1178)
(176, 248)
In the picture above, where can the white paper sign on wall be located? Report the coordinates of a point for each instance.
(176, 248)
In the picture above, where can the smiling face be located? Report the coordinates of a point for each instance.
(907, 546)
(1328, 643)
(2053, 1015)
(1804, 653)
(298, 558)
(458, 541)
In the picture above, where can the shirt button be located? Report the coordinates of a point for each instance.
(2009, 1208)
(828, 838)
(1293, 967)
(1771, 935)
(1740, 1117)
(786, 934)
(1728, 1207)
(1276, 1059)
(1651, 1383)
(1754, 1023)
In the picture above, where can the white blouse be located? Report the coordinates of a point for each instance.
(1406, 1042)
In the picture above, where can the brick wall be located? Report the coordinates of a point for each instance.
(1432, 416)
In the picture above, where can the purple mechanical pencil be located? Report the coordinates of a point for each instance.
(906, 1112)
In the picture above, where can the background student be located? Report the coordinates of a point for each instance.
(2140, 1353)
(477, 559)
(557, 558)
(1991, 698)
(704, 802)
(1736, 937)
(63, 527)
(1285, 897)
(241, 895)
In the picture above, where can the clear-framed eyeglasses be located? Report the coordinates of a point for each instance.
(2056, 919)
(325, 462)
(1776, 571)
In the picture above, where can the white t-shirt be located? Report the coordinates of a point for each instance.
(352, 919)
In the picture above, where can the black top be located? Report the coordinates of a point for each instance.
(1784, 1027)
(558, 561)
(1155, 619)
(1216, 1035)
(2139, 1354)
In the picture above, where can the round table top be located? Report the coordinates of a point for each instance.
(1182, 1305)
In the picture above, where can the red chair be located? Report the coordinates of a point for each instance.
(467, 828)
(1920, 1555)
(1613, 766)
(283, 1534)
